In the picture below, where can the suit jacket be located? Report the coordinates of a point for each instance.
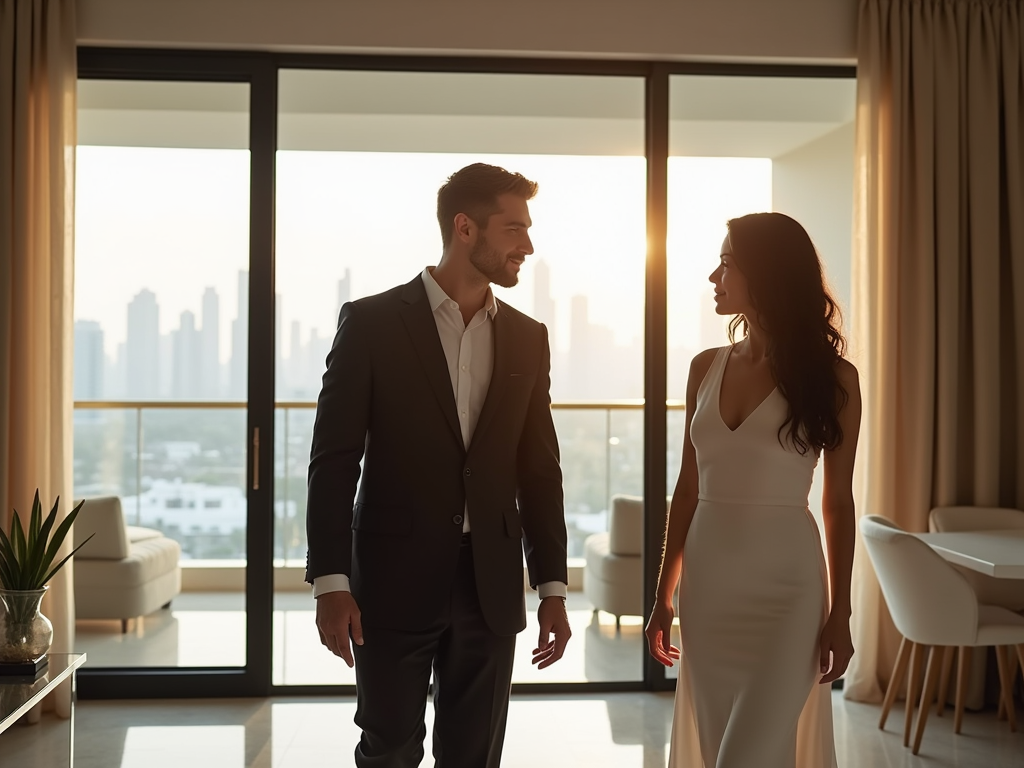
(387, 400)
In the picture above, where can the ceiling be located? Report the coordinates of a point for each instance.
(460, 112)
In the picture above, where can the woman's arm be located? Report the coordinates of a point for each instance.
(840, 529)
(680, 514)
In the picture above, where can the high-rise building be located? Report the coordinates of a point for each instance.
(89, 361)
(209, 346)
(580, 348)
(543, 303)
(296, 368)
(185, 342)
(142, 347)
(344, 294)
(238, 374)
(316, 358)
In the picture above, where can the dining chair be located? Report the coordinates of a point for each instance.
(934, 608)
(1007, 593)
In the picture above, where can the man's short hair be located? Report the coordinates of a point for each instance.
(474, 191)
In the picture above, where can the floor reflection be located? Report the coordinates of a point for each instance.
(624, 730)
(208, 630)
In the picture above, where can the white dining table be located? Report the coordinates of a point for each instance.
(995, 553)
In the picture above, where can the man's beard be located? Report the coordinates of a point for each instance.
(492, 264)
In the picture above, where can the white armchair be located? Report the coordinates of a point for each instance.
(124, 571)
(613, 574)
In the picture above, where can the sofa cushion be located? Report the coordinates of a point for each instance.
(626, 525)
(138, 533)
(102, 519)
(147, 560)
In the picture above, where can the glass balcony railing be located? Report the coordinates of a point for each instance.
(180, 467)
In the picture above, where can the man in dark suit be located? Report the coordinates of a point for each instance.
(443, 393)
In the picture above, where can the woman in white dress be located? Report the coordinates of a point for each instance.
(765, 627)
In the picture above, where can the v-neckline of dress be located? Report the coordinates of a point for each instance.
(718, 398)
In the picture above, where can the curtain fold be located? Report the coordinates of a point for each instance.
(37, 172)
(938, 276)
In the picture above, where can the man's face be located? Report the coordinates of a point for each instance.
(502, 247)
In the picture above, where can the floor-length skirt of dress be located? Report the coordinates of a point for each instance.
(752, 602)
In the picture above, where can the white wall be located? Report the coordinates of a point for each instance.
(800, 31)
(814, 185)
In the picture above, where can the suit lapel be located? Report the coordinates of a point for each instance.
(503, 338)
(419, 322)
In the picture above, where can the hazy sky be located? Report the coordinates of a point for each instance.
(176, 221)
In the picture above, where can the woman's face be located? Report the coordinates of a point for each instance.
(731, 294)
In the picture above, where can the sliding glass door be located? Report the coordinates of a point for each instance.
(360, 158)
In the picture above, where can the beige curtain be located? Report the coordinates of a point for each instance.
(939, 276)
(37, 162)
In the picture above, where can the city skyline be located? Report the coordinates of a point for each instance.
(175, 222)
(188, 361)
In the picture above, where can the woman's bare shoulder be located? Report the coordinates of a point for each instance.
(701, 364)
(847, 373)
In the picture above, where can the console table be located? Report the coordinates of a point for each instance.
(19, 694)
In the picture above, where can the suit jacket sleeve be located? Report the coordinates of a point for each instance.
(339, 439)
(540, 482)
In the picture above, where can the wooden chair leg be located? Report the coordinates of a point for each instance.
(1006, 684)
(899, 671)
(962, 669)
(1011, 674)
(931, 681)
(947, 667)
(913, 686)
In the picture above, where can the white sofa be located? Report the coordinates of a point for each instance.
(613, 576)
(124, 571)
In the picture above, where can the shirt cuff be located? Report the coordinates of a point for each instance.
(551, 589)
(333, 582)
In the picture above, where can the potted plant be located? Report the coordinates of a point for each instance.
(26, 565)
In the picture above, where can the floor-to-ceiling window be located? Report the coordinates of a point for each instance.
(161, 335)
(360, 158)
(197, 246)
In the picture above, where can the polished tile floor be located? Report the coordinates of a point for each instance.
(621, 730)
(181, 637)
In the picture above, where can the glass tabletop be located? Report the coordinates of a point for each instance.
(18, 694)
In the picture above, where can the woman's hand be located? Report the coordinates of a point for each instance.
(836, 647)
(659, 634)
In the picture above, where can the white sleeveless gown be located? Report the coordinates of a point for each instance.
(752, 599)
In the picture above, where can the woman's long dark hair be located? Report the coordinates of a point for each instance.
(801, 320)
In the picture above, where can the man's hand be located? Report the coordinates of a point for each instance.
(552, 619)
(337, 615)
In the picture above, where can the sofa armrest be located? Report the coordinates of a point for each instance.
(103, 519)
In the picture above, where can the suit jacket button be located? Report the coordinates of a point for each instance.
(468, 472)
(457, 519)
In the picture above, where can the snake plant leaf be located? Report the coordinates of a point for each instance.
(55, 544)
(60, 565)
(18, 539)
(35, 521)
(7, 561)
(26, 558)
